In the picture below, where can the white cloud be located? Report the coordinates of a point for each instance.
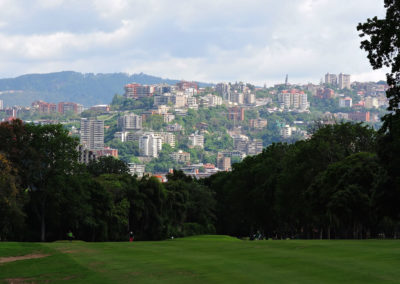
(210, 40)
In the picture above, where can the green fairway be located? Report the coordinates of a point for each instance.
(205, 259)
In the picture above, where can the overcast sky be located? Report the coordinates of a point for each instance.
(258, 41)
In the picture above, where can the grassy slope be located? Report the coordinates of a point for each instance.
(208, 259)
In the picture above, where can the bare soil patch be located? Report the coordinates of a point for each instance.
(19, 280)
(22, 257)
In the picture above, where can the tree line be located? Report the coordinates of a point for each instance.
(338, 184)
(45, 192)
(341, 183)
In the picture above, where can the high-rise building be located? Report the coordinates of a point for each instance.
(64, 107)
(223, 162)
(196, 140)
(293, 99)
(192, 103)
(162, 89)
(85, 156)
(237, 98)
(255, 147)
(240, 142)
(250, 98)
(135, 91)
(150, 145)
(130, 122)
(236, 113)
(92, 133)
(1, 105)
(344, 81)
(224, 90)
(331, 79)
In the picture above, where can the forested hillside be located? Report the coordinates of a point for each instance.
(87, 89)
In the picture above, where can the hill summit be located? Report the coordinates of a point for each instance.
(87, 89)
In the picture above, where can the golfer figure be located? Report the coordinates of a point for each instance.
(70, 236)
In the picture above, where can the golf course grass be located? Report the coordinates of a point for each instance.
(203, 259)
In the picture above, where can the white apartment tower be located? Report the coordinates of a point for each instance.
(92, 133)
(344, 81)
(150, 145)
(196, 140)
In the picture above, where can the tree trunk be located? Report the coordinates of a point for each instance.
(43, 221)
(329, 232)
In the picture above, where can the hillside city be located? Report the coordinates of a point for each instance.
(203, 130)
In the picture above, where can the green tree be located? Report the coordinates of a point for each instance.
(107, 165)
(41, 153)
(344, 197)
(382, 44)
(12, 199)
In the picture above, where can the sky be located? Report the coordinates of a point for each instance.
(256, 41)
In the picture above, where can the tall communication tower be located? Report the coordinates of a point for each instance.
(286, 80)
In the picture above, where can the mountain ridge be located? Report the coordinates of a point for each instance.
(84, 88)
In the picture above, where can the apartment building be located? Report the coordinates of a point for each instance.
(344, 81)
(331, 79)
(345, 102)
(150, 145)
(258, 123)
(92, 133)
(224, 90)
(181, 157)
(64, 107)
(196, 140)
(192, 103)
(130, 122)
(293, 99)
(183, 85)
(240, 142)
(237, 98)
(136, 169)
(236, 113)
(254, 147)
(286, 131)
(44, 107)
(249, 98)
(224, 162)
(135, 91)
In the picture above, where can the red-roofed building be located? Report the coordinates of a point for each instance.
(183, 85)
(135, 91)
(107, 151)
(360, 116)
(44, 107)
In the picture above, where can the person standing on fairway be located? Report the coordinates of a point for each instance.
(131, 236)
(70, 235)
